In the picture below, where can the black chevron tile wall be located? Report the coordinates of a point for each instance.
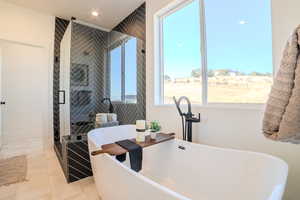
(129, 113)
(134, 24)
(88, 63)
(89, 83)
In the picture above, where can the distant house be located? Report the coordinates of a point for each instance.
(225, 72)
(232, 73)
(181, 80)
(187, 80)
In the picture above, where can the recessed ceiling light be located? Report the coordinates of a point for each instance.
(95, 13)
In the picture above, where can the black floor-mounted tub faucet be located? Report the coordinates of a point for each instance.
(187, 119)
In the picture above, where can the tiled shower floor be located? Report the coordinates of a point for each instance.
(45, 181)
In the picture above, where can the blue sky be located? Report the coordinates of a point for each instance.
(238, 37)
(131, 67)
(116, 77)
(130, 70)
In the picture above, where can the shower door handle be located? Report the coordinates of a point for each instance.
(63, 92)
(2, 103)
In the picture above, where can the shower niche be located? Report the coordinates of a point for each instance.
(88, 73)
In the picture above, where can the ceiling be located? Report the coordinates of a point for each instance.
(111, 12)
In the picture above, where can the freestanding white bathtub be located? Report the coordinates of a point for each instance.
(199, 172)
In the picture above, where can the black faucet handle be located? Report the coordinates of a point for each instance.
(199, 117)
(194, 119)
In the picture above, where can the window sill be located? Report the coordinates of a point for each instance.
(122, 102)
(238, 106)
(259, 107)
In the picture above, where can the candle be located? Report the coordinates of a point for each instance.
(140, 125)
(140, 136)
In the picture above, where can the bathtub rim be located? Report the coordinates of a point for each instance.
(178, 140)
(280, 161)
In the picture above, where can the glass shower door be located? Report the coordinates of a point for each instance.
(64, 84)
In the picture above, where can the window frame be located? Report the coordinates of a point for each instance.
(123, 66)
(159, 58)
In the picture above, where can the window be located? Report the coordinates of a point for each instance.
(216, 51)
(123, 71)
(181, 51)
(130, 71)
(116, 74)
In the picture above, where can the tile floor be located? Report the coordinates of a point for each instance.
(46, 181)
(12, 147)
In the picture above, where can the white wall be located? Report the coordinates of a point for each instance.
(20, 25)
(1, 139)
(231, 127)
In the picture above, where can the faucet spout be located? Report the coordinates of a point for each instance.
(178, 105)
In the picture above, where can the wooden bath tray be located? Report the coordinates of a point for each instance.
(115, 150)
